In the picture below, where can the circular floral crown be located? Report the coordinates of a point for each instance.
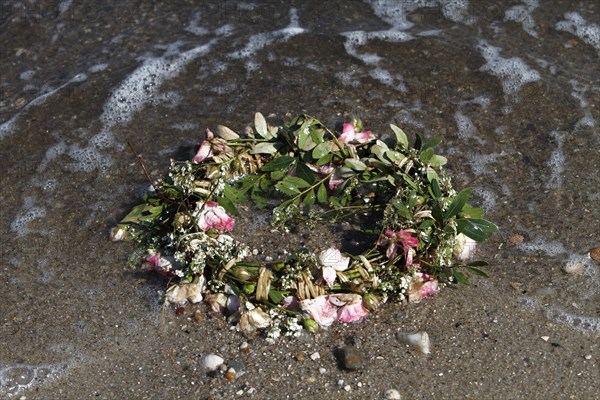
(184, 227)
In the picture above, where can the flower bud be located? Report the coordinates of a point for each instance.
(249, 289)
(371, 302)
(242, 274)
(311, 325)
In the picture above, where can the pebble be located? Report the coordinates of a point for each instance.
(322, 370)
(347, 388)
(299, 356)
(595, 253)
(315, 356)
(352, 359)
(392, 394)
(211, 362)
(311, 380)
(588, 356)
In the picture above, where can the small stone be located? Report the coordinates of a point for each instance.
(595, 253)
(392, 394)
(237, 366)
(239, 392)
(588, 357)
(545, 338)
(310, 379)
(322, 370)
(352, 359)
(299, 356)
(211, 362)
(315, 356)
(347, 388)
(515, 240)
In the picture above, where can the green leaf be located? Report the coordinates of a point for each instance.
(321, 150)
(264, 148)
(309, 199)
(305, 142)
(435, 188)
(258, 198)
(418, 141)
(478, 264)
(431, 174)
(278, 164)
(236, 196)
(457, 204)
(324, 160)
(356, 165)
(461, 278)
(226, 133)
(228, 206)
(260, 124)
(134, 214)
(436, 213)
(303, 172)
(476, 229)
(476, 271)
(291, 185)
(400, 136)
(426, 155)
(437, 160)
(322, 194)
(469, 211)
(276, 296)
(431, 143)
(402, 210)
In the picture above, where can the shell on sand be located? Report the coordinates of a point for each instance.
(418, 341)
(211, 362)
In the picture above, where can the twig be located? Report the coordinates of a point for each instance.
(139, 159)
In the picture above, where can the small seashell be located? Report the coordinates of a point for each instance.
(574, 268)
(230, 374)
(211, 362)
(419, 340)
(595, 253)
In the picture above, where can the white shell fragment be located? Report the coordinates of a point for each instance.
(418, 341)
(211, 362)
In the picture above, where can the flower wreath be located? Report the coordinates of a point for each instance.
(184, 226)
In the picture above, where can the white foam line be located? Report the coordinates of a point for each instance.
(522, 13)
(135, 92)
(576, 24)
(8, 127)
(556, 163)
(551, 249)
(512, 72)
(264, 39)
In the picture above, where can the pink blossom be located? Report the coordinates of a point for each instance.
(334, 181)
(351, 308)
(329, 275)
(332, 260)
(212, 146)
(161, 264)
(212, 215)
(421, 286)
(320, 310)
(349, 135)
(393, 239)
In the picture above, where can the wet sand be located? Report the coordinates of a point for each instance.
(513, 89)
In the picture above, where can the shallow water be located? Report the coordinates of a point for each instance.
(514, 88)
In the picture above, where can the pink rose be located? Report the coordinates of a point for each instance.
(394, 239)
(320, 310)
(332, 260)
(212, 146)
(349, 135)
(421, 286)
(351, 307)
(212, 215)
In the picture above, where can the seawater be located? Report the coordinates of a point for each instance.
(382, 60)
